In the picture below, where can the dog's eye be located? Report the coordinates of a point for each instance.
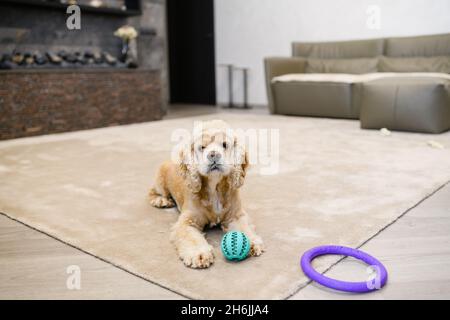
(201, 148)
(225, 145)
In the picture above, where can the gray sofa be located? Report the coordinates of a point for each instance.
(396, 83)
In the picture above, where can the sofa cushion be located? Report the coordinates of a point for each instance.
(339, 50)
(354, 78)
(314, 97)
(415, 64)
(421, 46)
(352, 66)
(333, 95)
(409, 103)
(317, 77)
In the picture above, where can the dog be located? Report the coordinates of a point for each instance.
(204, 184)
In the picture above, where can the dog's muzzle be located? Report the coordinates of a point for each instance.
(215, 167)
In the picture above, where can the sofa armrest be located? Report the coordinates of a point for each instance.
(277, 66)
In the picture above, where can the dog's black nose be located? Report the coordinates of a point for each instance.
(214, 155)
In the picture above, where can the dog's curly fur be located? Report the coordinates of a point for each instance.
(204, 184)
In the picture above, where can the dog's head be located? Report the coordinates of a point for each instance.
(213, 152)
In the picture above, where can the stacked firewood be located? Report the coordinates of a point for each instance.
(61, 59)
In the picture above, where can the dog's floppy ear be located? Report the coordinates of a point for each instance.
(240, 166)
(188, 168)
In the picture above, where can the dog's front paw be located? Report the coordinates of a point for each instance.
(200, 257)
(162, 202)
(256, 248)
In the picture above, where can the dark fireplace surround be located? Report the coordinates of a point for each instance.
(38, 100)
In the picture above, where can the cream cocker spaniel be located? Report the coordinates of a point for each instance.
(204, 184)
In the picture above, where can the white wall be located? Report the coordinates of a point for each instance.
(249, 30)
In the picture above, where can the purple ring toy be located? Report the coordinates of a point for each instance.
(375, 284)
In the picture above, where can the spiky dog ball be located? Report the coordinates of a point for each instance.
(235, 246)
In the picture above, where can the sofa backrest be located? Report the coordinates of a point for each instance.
(421, 46)
(400, 54)
(339, 50)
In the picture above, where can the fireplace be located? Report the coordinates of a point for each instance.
(53, 79)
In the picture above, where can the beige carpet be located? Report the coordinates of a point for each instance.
(337, 185)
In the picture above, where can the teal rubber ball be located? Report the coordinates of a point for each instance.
(235, 246)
